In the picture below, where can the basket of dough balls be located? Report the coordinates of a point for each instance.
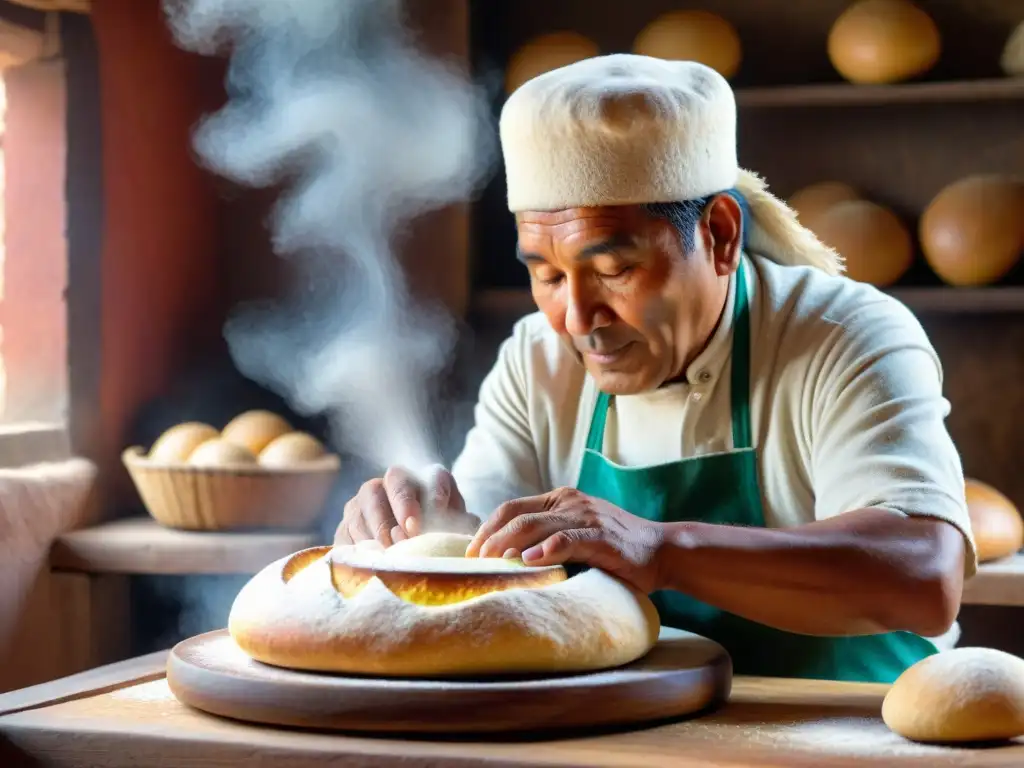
(421, 608)
(256, 473)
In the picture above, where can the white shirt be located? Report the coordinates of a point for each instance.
(846, 400)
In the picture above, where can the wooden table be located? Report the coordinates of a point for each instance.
(124, 715)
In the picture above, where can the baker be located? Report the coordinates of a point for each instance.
(703, 406)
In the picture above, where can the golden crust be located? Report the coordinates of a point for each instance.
(437, 588)
(497, 620)
(302, 560)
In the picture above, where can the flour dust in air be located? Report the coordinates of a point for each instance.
(332, 103)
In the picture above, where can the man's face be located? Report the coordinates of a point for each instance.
(618, 287)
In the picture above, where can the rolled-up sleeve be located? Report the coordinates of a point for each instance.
(879, 436)
(499, 460)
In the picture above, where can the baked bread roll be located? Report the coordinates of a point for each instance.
(876, 245)
(962, 695)
(997, 525)
(883, 41)
(423, 609)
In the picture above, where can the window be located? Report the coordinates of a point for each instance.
(33, 246)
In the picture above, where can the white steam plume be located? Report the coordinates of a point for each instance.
(331, 100)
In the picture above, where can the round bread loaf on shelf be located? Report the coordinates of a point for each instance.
(883, 41)
(404, 612)
(693, 35)
(875, 243)
(547, 52)
(995, 521)
(815, 200)
(972, 232)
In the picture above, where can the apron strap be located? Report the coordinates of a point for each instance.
(740, 384)
(595, 437)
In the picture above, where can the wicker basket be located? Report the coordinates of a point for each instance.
(232, 498)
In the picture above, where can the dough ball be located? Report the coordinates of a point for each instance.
(876, 245)
(962, 695)
(220, 453)
(255, 429)
(699, 36)
(995, 521)
(177, 443)
(815, 200)
(545, 53)
(972, 232)
(883, 41)
(430, 545)
(292, 449)
(367, 546)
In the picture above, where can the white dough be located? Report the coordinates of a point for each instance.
(431, 545)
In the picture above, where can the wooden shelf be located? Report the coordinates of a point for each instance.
(140, 546)
(997, 583)
(944, 299)
(506, 303)
(847, 94)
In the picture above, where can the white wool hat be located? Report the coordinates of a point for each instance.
(626, 130)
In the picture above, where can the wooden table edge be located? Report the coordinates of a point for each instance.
(93, 682)
(153, 666)
(25, 726)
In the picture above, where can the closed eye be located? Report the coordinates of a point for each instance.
(624, 272)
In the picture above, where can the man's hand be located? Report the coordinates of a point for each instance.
(390, 509)
(566, 525)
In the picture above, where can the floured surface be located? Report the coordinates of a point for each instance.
(849, 736)
(155, 691)
(767, 723)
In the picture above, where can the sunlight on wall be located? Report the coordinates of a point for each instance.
(3, 240)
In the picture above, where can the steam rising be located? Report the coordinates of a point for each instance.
(330, 101)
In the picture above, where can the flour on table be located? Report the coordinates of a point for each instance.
(846, 736)
(838, 736)
(157, 690)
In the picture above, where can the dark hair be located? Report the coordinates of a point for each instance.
(685, 214)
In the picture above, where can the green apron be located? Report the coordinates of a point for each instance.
(723, 489)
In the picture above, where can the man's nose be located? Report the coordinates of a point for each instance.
(584, 311)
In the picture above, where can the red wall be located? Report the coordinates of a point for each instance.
(161, 272)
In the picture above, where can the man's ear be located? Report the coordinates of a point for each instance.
(724, 221)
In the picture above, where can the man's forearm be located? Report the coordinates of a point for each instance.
(864, 572)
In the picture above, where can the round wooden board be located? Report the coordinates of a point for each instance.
(683, 674)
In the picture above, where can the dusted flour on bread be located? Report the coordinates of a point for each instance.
(962, 695)
(590, 621)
